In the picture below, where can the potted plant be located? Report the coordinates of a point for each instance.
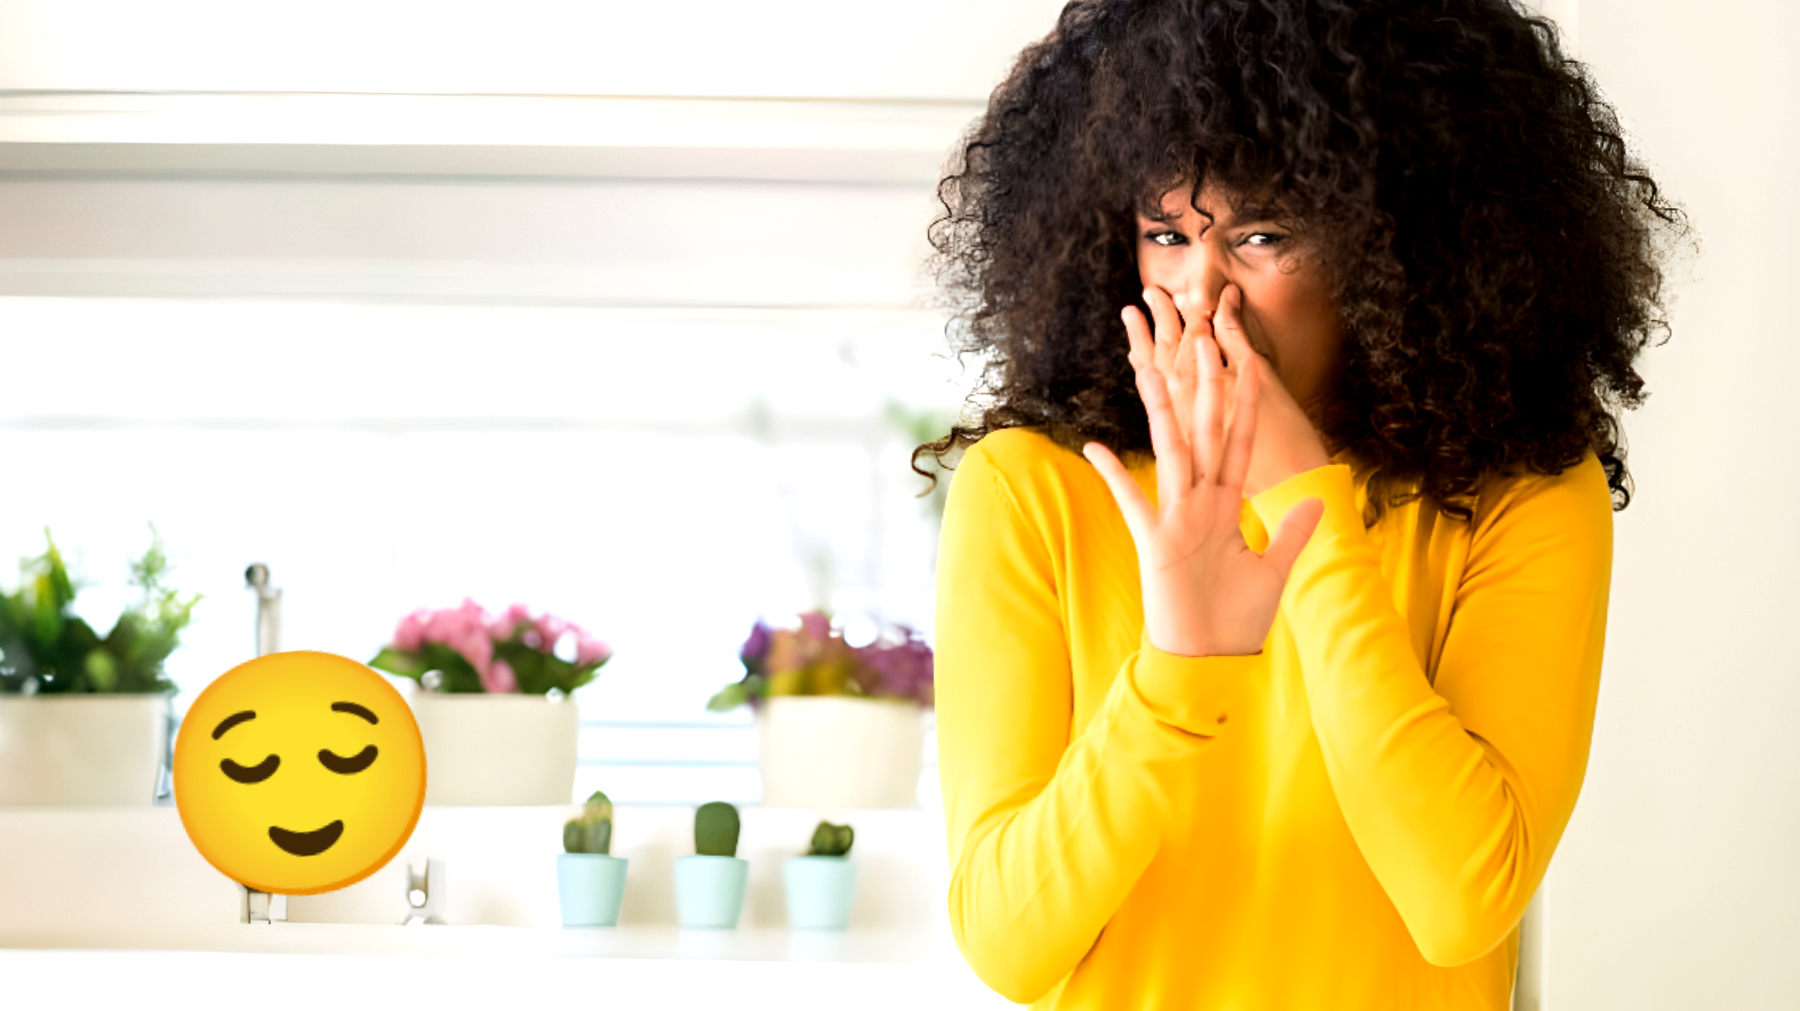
(821, 884)
(709, 886)
(839, 726)
(590, 882)
(84, 718)
(493, 702)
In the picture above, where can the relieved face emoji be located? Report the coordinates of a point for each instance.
(299, 773)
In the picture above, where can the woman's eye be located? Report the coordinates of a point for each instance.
(345, 766)
(250, 773)
(1263, 239)
(1166, 238)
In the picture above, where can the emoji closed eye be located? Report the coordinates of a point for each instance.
(251, 773)
(345, 766)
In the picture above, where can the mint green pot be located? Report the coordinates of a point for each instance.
(819, 892)
(709, 891)
(590, 886)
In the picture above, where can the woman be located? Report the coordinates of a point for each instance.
(1281, 697)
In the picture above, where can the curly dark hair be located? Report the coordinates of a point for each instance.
(1494, 248)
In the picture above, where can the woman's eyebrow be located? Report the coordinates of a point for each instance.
(1161, 217)
(354, 710)
(1245, 214)
(231, 721)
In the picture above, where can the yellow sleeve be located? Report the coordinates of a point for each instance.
(1456, 789)
(1048, 832)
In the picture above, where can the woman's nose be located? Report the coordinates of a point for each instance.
(1199, 291)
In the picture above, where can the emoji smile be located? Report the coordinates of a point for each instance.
(307, 844)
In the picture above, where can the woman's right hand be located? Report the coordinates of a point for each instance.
(1205, 592)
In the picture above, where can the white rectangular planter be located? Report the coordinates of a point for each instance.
(483, 749)
(82, 749)
(835, 752)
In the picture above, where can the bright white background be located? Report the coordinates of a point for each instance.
(640, 380)
(1677, 885)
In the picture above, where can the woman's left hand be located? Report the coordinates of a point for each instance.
(1286, 441)
(1205, 592)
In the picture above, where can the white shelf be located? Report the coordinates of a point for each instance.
(128, 878)
(102, 906)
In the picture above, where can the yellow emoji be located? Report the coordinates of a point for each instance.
(298, 773)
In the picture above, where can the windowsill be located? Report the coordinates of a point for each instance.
(129, 879)
(745, 944)
(98, 906)
(485, 967)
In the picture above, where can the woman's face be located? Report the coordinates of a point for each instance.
(1289, 315)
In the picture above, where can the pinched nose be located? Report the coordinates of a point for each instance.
(307, 844)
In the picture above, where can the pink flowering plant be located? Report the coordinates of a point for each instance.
(814, 659)
(466, 649)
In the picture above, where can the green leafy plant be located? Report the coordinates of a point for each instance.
(831, 840)
(716, 830)
(591, 830)
(46, 648)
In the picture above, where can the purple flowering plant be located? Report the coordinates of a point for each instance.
(471, 650)
(814, 659)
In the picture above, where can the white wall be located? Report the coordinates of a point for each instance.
(636, 242)
(919, 49)
(1678, 884)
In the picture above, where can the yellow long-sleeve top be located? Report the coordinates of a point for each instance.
(1355, 818)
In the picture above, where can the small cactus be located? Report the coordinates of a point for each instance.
(590, 831)
(716, 830)
(831, 840)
